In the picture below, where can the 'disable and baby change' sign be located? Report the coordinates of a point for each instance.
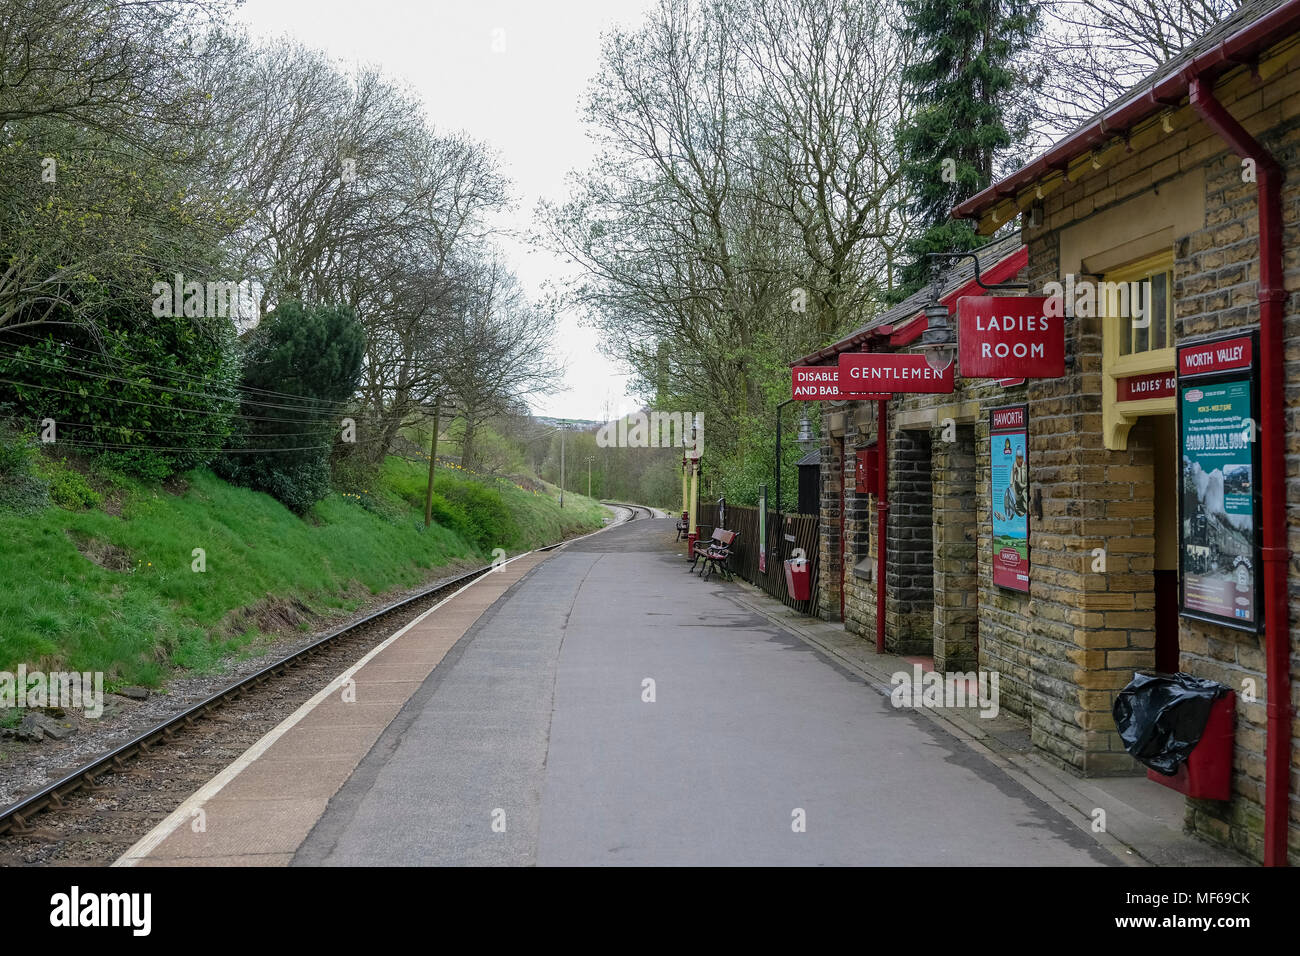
(892, 372)
(813, 383)
(1009, 337)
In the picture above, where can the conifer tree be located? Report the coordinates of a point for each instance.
(965, 88)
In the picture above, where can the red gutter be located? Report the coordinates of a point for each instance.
(882, 516)
(1272, 431)
(1208, 66)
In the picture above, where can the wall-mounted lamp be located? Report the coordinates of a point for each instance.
(938, 341)
(806, 439)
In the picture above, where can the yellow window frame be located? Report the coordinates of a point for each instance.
(1119, 417)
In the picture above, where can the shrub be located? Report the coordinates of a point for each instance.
(314, 354)
(489, 523)
(21, 489)
(68, 488)
(138, 394)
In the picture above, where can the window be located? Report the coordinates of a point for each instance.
(1136, 305)
(1138, 302)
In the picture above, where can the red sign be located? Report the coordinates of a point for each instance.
(811, 383)
(1222, 356)
(1155, 385)
(893, 372)
(1009, 337)
(1008, 419)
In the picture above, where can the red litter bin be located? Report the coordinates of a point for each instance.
(798, 579)
(1207, 772)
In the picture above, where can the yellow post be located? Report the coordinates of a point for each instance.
(695, 486)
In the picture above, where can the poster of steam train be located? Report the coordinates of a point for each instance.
(1218, 507)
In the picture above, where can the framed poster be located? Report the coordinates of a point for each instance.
(1009, 464)
(1218, 470)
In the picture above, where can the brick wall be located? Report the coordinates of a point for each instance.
(828, 575)
(955, 535)
(1216, 279)
(1215, 286)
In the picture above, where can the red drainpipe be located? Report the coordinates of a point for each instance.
(1272, 430)
(882, 517)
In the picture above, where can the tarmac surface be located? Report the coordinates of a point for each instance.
(539, 739)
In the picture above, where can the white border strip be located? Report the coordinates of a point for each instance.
(151, 840)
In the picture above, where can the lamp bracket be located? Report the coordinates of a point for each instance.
(999, 287)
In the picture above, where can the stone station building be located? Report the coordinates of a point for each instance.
(1172, 188)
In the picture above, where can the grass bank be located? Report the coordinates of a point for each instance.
(151, 579)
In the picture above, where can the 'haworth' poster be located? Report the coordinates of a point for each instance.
(1009, 458)
(1219, 513)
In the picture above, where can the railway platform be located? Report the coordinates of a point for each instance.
(599, 705)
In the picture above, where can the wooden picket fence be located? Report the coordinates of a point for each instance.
(800, 531)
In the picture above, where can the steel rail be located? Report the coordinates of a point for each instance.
(14, 818)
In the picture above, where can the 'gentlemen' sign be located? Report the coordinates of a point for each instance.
(1009, 337)
(892, 372)
(813, 383)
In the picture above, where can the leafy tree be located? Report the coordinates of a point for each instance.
(283, 448)
(963, 85)
(145, 395)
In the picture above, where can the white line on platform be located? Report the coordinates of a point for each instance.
(151, 840)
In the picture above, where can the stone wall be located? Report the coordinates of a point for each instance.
(1065, 649)
(909, 570)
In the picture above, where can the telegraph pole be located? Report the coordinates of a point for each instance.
(590, 459)
(564, 427)
(433, 457)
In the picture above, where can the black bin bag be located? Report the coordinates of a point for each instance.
(1160, 717)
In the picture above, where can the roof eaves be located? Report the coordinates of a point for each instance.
(1251, 28)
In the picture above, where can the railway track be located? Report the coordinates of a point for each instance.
(97, 811)
(100, 806)
(635, 511)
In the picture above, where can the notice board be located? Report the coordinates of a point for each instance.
(1009, 462)
(1218, 481)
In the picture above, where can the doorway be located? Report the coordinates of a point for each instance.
(1165, 448)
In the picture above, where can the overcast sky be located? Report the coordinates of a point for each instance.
(510, 73)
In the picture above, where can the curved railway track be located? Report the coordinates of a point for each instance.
(95, 812)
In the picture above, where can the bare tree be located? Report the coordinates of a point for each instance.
(825, 97)
(1092, 51)
(745, 205)
(497, 353)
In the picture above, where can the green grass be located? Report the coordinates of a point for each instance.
(61, 610)
(535, 519)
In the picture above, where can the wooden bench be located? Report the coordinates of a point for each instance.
(715, 552)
